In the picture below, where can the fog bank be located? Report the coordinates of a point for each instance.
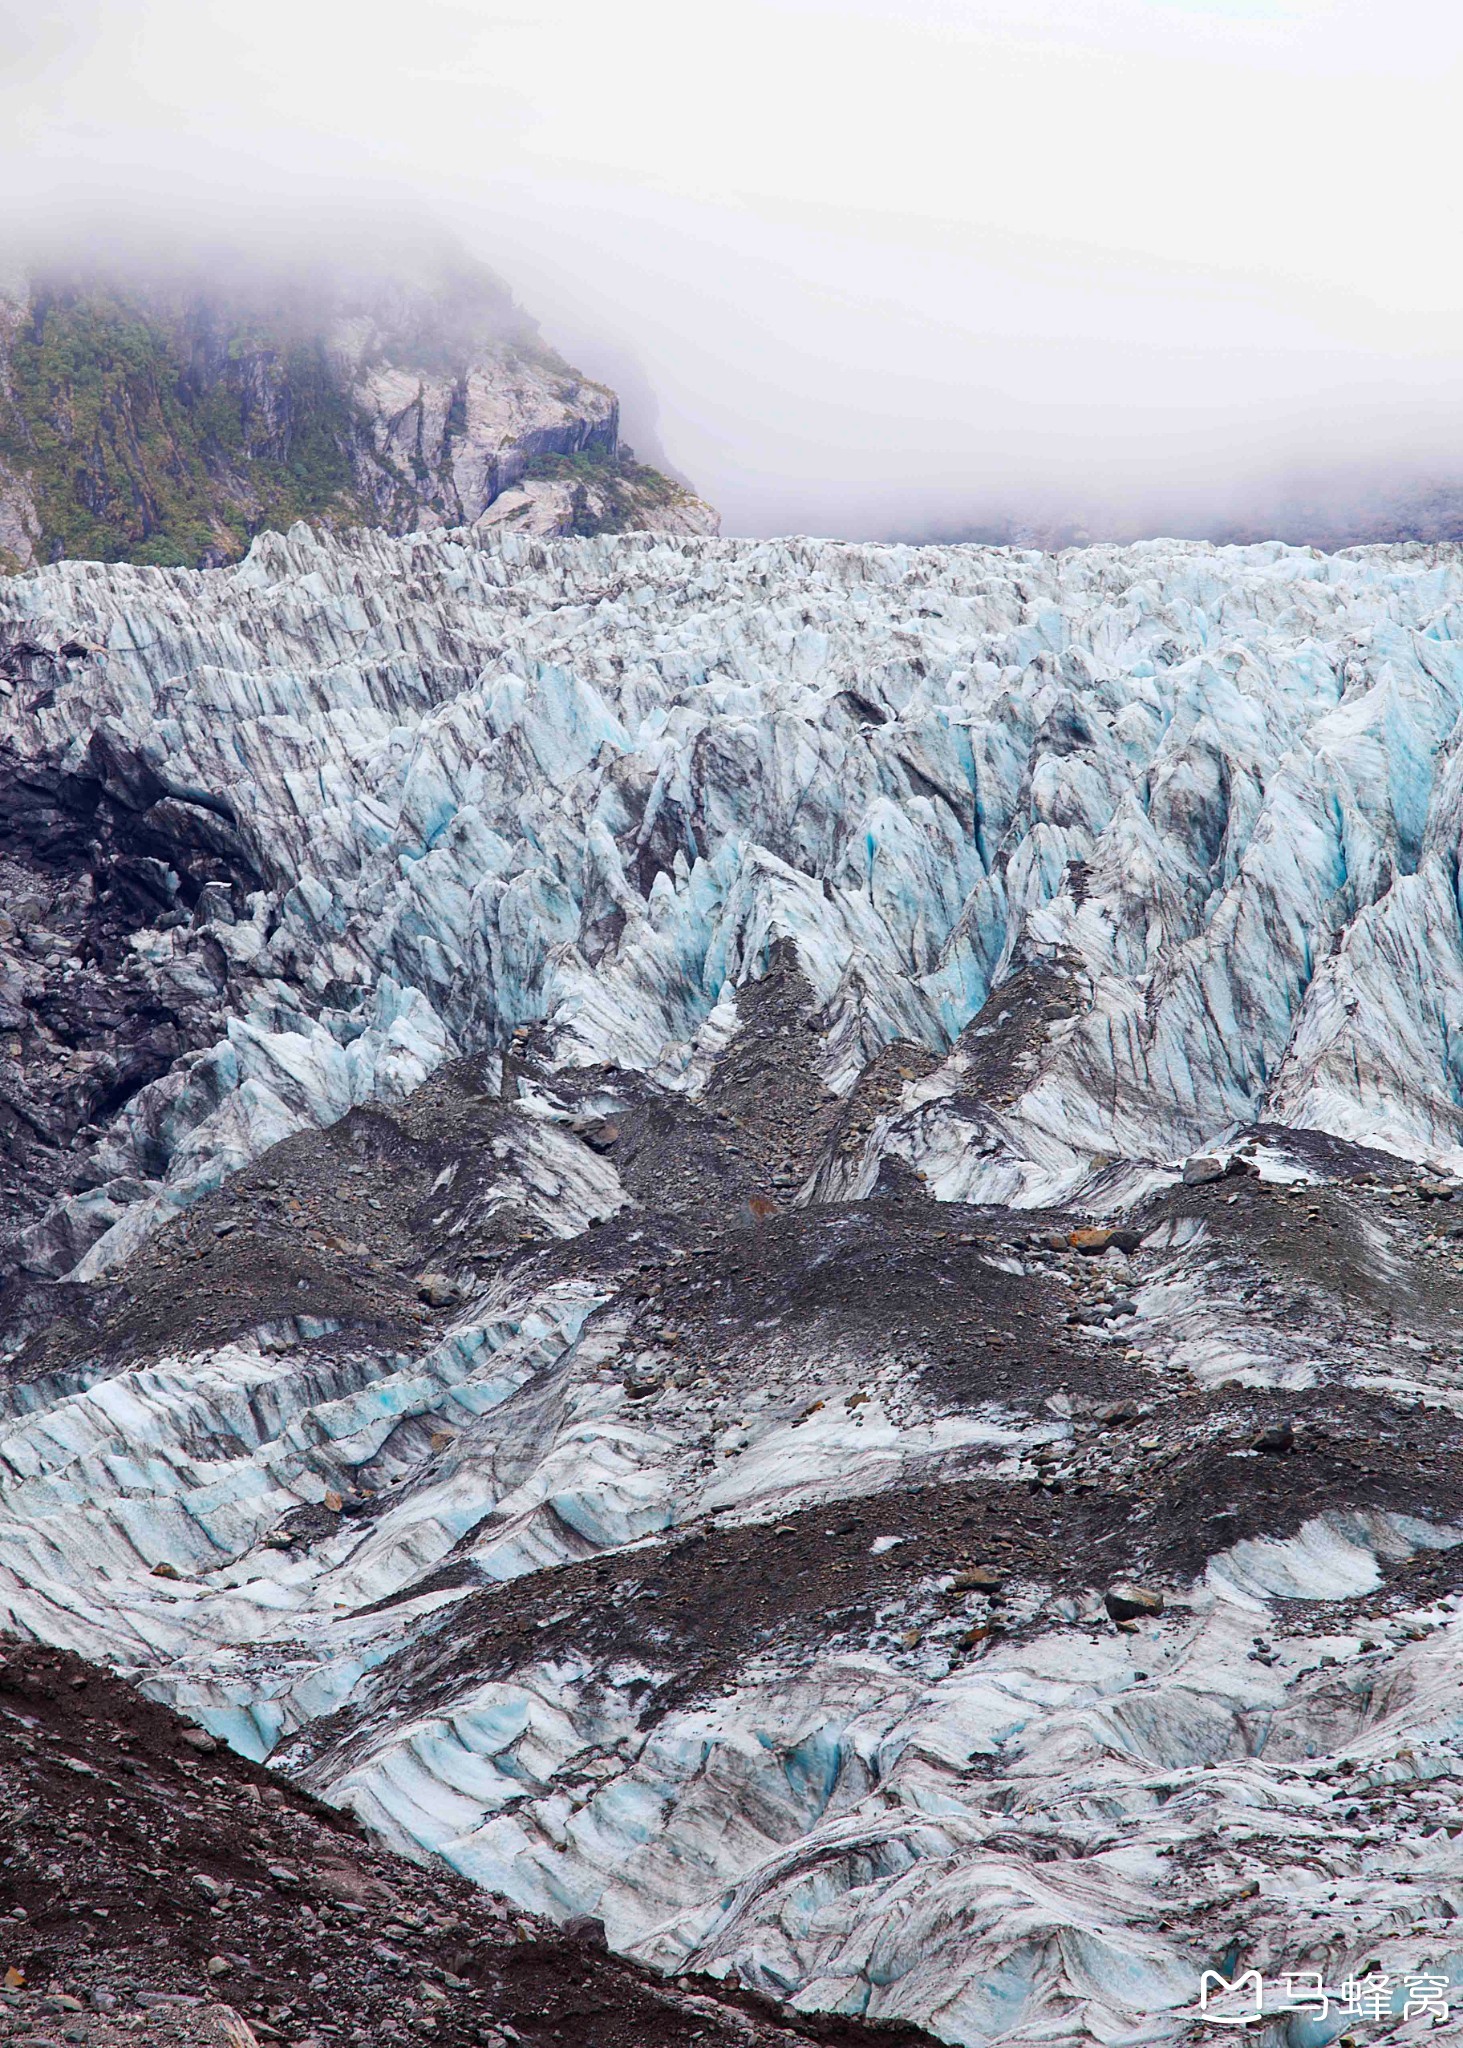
(884, 268)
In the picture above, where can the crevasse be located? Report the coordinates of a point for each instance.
(595, 782)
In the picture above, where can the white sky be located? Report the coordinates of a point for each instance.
(882, 262)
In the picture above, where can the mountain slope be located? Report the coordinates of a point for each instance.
(704, 1151)
(167, 418)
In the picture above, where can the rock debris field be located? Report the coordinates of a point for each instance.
(731, 1292)
(164, 1883)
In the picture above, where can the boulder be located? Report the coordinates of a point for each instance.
(1277, 1440)
(1126, 1601)
(1089, 1239)
(1094, 1239)
(1201, 1169)
(980, 1578)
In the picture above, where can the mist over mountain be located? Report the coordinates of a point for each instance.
(164, 404)
(1341, 511)
(902, 269)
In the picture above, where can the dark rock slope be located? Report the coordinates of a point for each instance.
(149, 1871)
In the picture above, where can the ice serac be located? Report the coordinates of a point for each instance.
(1212, 794)
(644, 1289)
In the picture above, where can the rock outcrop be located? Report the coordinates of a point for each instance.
(167, 418)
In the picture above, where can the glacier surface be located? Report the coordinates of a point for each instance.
(594, 783)
(1126, 853)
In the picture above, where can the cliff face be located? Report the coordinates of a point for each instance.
(166, 420)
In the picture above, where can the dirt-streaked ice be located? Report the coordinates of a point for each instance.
(1215, 796)
(499, 781)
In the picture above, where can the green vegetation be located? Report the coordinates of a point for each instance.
(612, 493)
(147, 439)
(169, 422)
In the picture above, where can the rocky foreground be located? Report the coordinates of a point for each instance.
(758, 1242)
(157, 1884)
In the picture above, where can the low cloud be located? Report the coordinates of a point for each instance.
(886, 269)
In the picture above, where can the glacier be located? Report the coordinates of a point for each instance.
(593, 784)
(936, 903)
